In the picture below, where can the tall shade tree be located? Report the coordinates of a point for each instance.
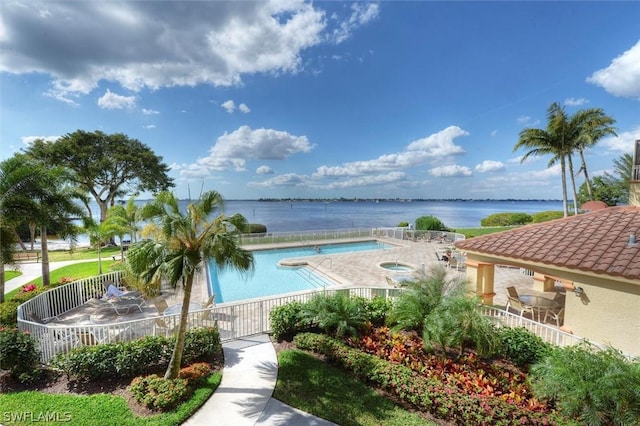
(202, 233)
(106, 166)
(595, 125)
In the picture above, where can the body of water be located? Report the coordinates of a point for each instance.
(282, 216)
(317, 215)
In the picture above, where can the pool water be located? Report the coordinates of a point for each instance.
(270, 279)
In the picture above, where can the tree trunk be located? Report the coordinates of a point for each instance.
(32, 233)
(1, 280)
(565, 207)
(46, 278)
(573, 186)
(586, 175)
(176, 357)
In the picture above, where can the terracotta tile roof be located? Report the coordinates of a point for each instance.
(595, 242)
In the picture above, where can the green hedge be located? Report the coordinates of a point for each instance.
(506, 219)
(129, 359)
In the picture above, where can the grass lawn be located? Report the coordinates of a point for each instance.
(11, 274)
(313, 386)
(476, 232)
(83, 253)
(98, 409)
(76, 271)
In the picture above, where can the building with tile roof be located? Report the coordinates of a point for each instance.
(595, 256)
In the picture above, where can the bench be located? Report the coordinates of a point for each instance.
(25, 256)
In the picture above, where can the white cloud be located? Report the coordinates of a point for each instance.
(28, 140)
(152, 45)
(244, 108)
(624, 142)
(490, 166)
(450, 171)
(576, 102)
(549, 172)
(360, 181)
(150, 111)
(232, 150)
(361, 14)
(494, 133)
(527, 121)
(264, 170)
(229, 106)
(150, 126)
(112, 100)
(289, 179)
(622, 76)
(429, 149)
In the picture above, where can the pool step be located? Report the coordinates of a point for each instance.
(315, 280)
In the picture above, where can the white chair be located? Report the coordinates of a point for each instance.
(520, 307)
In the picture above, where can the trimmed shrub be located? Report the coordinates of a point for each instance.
(9, 313)
(546, 216)
(158, 393)
(19, 353)
(256, 228)
(522, 347)
(286, 321)
(403, 224)
(196, 374)
(201, 344)
(128, 359)
(430, 223)
(506, 219)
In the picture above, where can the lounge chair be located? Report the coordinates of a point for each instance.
(511, 290)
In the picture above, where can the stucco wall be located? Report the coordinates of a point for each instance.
(608, 312)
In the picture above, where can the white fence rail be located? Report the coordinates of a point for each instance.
(234, 320)
(308, 237)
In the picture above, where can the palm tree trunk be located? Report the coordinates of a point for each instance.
(565, 206)
(44, 249)
(176, 357)
(573, 186)
(1, 281)
(586, 174)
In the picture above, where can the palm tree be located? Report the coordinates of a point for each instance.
(16, 177)
(130, 214)
(412, 307)
(188, 239)
(595, 125)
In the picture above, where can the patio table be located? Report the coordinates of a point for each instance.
(540, 304)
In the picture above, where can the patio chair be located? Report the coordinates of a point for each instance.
(438, 256)
(391, 282)
(89, 338)
(517, 305)
(511, 290)
(556, 314)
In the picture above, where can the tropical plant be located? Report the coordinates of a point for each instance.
(598, 387)
(188, 239)
(44, 199)
(336, 314)
(105, 166)
(595, 125)
(602, 189)
(128, 217)
(565, 134)
(16, 176)
(412, 307)
(458, 323)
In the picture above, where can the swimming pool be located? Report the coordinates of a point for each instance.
(270, 279)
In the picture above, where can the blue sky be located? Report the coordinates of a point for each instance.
(325, 99)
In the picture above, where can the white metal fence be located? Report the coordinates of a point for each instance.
(234, 319)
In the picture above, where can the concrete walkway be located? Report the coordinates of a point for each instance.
(248, 379)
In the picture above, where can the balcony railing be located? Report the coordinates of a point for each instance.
(635, 173)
